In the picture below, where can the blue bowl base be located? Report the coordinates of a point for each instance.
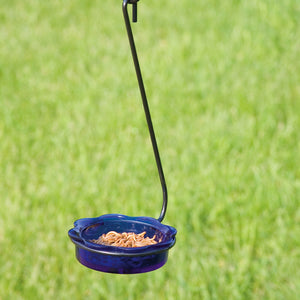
(121, 264)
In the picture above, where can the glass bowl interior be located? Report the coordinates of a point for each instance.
(96, 230)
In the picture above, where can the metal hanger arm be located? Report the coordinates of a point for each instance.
(145, 102)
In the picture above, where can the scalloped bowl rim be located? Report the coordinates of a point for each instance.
(81, 225)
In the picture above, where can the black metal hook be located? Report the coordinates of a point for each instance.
(134, 12)
(145, 102)
(134, 9)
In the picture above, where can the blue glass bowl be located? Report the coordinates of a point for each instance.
(121, 260)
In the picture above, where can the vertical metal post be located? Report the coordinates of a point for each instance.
(145, 103)
(134, 12)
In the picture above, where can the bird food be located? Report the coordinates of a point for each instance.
(125, 239)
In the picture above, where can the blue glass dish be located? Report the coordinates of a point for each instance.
(121, 260)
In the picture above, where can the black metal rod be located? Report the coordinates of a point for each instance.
(146, 109)
(134, 12)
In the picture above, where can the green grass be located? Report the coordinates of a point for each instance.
(222, 78)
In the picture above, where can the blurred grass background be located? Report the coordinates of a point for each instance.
(222, 78)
